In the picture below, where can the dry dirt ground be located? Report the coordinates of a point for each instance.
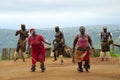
(100, 70)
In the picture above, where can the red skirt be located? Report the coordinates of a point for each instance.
(38, 55)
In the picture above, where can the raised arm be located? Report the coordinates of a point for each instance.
(17, 32)
(25, 33)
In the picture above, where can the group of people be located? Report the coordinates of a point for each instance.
(35, 44)
(81, 47)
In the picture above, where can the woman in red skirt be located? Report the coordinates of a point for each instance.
(82, 52)
(36, 41)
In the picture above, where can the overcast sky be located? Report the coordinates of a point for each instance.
(64, 13)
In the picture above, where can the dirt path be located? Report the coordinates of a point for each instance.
(106, 70)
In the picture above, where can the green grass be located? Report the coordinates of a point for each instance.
(0, 57)
(116, 55)
(113, 54)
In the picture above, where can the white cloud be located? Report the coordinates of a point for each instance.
(61, 12)
(48, 5)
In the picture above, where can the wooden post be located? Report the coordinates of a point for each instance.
(97, 52)
(12, 50)
(9, 52)
(5, 54)
(48, 51)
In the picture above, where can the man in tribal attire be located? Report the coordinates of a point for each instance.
(58, 44)
(106, 40)
(82, 52)
(21, 45)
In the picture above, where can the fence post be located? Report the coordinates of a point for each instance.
(5, 54)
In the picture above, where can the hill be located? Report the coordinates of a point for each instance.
(9, 40)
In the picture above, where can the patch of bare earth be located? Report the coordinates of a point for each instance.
(100, 70)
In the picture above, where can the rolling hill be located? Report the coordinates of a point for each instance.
(9, 40)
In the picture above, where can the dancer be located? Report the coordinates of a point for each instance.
(82, 53)
(36, 42)
(21, 45)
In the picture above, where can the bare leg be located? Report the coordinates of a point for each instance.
(33, 68)
(87, 65)
(55, 56)
(42, 67)
(80, 69)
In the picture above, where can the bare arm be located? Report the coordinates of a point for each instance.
(25, 33)
(90, 42)
(110, 35)
(74, 43)
(62, 38)
(47, 42)
(17, 32)
(53, 42)
(28, 46)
